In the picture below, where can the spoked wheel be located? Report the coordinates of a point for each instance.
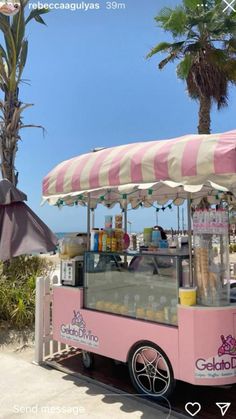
(150, 370)
(87, 360)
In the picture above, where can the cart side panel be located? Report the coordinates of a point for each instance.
(186, 344)
(106, 334)
(207, 345)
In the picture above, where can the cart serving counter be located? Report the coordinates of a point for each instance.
(127, 307)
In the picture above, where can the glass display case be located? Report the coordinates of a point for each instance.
(211, 257)
(143, 286)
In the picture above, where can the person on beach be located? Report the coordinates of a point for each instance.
(162, 231)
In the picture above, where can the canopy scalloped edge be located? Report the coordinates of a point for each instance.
(147, 194)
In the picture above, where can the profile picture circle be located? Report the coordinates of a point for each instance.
(9, 8)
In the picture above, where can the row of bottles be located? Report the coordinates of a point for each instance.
(110, 240)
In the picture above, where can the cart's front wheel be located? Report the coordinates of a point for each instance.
(87, 360)
(150, 370)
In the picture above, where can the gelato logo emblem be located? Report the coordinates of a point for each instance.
(78, 320)
(78, 331)
(228, 346)
(9, 8)
(218, 366)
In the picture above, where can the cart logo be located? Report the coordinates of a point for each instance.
(78, 320)
(228, 347)
(221, 365)
(78, 331)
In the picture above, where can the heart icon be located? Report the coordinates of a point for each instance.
(193, 408)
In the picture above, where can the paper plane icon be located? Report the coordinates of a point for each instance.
(223, 407)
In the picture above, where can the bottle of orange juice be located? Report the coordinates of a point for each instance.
(100, 241)
(113, 242)
(108, 240)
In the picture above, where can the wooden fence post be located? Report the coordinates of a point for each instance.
(39, 326)
(46, 317)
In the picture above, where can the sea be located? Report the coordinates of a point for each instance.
(62, 234)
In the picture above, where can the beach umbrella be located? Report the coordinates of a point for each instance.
(21, 230)
(147, 172)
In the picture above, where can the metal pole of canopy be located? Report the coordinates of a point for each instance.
(157, 218)
(88, 222)
(190, 240)
(125, 218)
(93, 218)
(125, 228)
(178, 219)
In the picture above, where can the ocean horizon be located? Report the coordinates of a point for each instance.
(62, 234)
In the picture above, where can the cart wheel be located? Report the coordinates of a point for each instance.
(87, 360)
(150, 370)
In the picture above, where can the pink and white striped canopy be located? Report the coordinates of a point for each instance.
(193, 163)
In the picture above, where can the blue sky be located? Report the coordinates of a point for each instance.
(92, 86)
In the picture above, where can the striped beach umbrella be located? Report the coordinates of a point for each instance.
(147, 172)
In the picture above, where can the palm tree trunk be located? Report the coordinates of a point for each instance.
(204, 127)
(204, 115)
(8, 161)
(9, 138)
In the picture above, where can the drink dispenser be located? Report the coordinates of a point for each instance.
(211, 256)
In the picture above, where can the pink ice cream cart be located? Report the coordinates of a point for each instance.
(126, 305)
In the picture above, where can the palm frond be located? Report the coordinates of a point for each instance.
(230, 44)
(34, 126)
(36, 14)
(39, 19)
(191, 4)
(22, 58)
(183, 68)
(207, 52)
(14, 124)
(166, 46)
(18, 28)
(3, 74)
(173, 20)
(170, 58)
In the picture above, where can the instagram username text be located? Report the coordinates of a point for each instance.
(79, 6)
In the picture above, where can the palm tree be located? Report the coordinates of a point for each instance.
(13, 56)
(204, 44)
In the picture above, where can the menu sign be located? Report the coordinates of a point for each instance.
(210, 221)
